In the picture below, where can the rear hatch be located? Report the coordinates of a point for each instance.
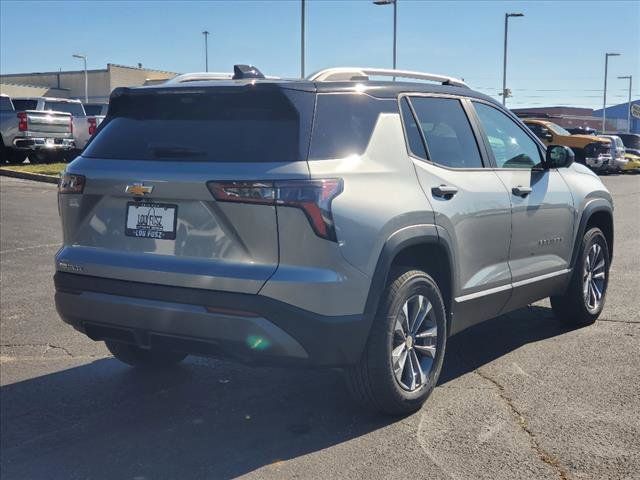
(148, 211)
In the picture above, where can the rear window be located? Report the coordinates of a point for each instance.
(233, 125)
(24, 104)
(344, 123)
(68, 107)
(5, 104)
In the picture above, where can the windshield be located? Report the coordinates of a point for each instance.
(557, 129)
(630, 140)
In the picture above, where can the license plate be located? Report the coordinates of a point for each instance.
(151, 220)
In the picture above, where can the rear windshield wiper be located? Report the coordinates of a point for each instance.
(175, 151)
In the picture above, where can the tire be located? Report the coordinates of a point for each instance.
(139, 357)
(373, 381)
(577, 306)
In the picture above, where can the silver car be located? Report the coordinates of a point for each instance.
(618, 151)
(334, 221)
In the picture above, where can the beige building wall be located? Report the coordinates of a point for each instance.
(101, 82)
(14, 90)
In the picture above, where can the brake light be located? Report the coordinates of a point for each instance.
(70, 183)
(313, 197)
(93, 124)
(22, 121)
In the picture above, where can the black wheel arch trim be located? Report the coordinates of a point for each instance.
(594, 206)
(403, 238)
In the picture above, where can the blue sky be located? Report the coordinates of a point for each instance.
(556, 52)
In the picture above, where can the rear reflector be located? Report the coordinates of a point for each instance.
(70, 183)
(313, 197)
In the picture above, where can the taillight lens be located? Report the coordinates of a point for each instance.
(313, 197)
(93, 124)
(22, 121)
(71, 183)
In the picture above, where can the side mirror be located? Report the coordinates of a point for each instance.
(559, 156)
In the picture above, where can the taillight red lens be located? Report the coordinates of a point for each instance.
(313, 197)
(23, 125)
(93, 124)
(71, 183)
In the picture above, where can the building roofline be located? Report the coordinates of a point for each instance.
(32, 86)
(98, 70)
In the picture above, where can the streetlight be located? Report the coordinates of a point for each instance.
(630, 78)
(206, 51)
(395, 23)
(86, 79)
(604, 99)
(505, 92)
(302, 25)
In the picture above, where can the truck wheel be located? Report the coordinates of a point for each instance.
(139, 357)
(16, 156)
(582, 303)
(403, 356)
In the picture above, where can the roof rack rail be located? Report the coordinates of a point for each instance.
(363, 73)
(199, 76)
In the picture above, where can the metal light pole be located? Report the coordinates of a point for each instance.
(630, 78)
(302, 34)
(604, 98)
(395, 25)
(206, 50)
(86, 78)
(505, 93)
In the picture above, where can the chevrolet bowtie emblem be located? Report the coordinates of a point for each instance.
(139, 189)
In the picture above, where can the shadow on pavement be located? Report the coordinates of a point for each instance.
(206, 418)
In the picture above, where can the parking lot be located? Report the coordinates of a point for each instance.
(520, 396)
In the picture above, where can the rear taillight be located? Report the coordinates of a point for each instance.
(71, 125)
(70, 183)
(22, 121)
(93, 124)
(313, 197)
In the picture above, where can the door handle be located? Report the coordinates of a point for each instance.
(444, 191)
(521, 191)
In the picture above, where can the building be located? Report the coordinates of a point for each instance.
(570, 117)
(617, 116)
(70, 84)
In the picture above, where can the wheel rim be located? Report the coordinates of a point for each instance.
(594, 277)
(414, 343)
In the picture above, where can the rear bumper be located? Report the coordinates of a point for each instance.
(250, 328)
(44, 143)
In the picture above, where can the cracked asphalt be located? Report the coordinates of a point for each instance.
(520, 396)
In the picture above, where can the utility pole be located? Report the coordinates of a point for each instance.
(505, 92)
(302, 35)
(395, 26)
(630, 78)
(206, 50)
(604, 98)
(86, 78)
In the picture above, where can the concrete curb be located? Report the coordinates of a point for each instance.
(37, 177)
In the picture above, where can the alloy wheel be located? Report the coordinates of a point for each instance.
(594, 277)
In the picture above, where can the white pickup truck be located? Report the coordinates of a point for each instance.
(84, 126)
(42, 136)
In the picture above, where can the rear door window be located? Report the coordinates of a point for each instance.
(447, 132)
(212, 125)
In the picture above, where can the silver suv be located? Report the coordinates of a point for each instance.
(336, 221)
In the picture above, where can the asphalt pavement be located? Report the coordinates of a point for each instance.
(520, 396)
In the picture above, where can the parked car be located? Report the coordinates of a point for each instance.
(97, 111)
(631, 141)
(84, 126)
(27, 132)
(593, 151)
(633, 163)
(332, 221)
(618, 160)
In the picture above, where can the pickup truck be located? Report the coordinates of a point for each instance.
(84, 126)
(591, 150)
(42, 136)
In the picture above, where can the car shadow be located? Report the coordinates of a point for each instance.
(206, 418)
